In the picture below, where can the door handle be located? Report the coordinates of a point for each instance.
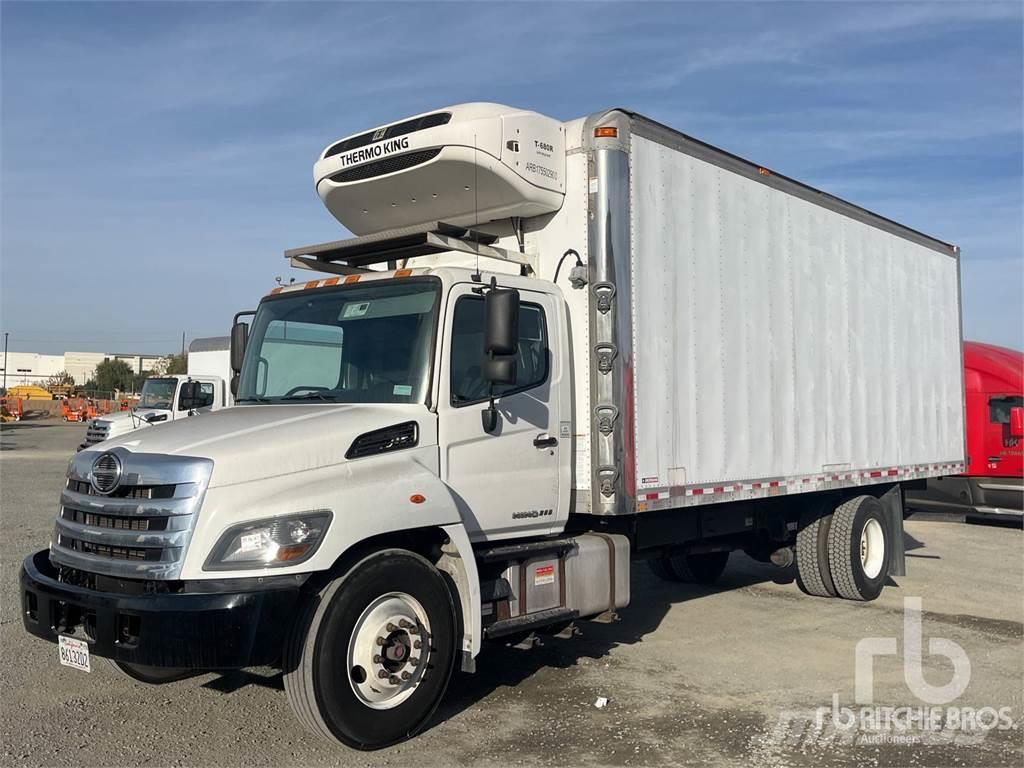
(544, 440)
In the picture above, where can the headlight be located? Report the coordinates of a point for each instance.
(269, 543)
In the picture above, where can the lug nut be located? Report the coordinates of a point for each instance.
(417, 644)
(406, 675)
(414, 661)
(381, 641)
(378, 659)
(382, 674)
(394, 680)
(391, 627)
(404, 624)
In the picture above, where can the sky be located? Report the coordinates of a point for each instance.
(156, 158)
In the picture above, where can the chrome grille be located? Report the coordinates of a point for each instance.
(97, 431)
(139, 530)
(117, 523)
(126, 491)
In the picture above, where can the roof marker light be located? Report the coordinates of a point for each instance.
(606, 132)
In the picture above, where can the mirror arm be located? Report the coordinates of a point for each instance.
(489, 415)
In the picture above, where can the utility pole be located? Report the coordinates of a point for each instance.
(182, 344)
(5, 361)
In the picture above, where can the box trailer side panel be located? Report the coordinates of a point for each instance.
(781, 344)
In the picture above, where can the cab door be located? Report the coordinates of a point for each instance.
(515, 481)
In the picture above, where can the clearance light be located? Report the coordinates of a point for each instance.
(403, 272)
(764, 171)
(417, 498)
(607, 132)
(352, 279)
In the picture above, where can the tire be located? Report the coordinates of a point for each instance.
(859, 548)
(658, 568)
(814, 576)
(140, 673)
(330, 657)
(704, 568)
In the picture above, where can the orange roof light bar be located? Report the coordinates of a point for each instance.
(403, 272)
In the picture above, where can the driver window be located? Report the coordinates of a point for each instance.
(467, 351)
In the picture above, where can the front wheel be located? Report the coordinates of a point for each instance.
(370, 658)
(142, 673)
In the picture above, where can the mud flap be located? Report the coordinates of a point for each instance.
(892, 503)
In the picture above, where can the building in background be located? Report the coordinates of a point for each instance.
(34, 368)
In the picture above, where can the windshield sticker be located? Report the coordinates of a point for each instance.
(402, 389)
(357, 309)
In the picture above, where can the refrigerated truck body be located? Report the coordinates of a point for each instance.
(552, 350)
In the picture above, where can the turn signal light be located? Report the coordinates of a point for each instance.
(607, 132)
(291, 552)
(417, 498)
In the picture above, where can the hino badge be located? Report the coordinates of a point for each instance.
(553, 350)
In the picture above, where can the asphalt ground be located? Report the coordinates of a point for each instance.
(746, 673)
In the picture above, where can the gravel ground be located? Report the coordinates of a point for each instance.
(692, 675)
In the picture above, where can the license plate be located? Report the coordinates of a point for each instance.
(73, 653)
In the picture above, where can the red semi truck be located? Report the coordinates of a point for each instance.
(993, 485)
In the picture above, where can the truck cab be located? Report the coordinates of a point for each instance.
(160, 401)
(992, 487)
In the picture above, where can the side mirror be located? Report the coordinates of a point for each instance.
(501, 342)
(1017, 421)
(190, 396)
(498, 370)
(501, 321)
(154, 418)
(239, 337)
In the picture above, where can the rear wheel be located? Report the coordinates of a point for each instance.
(702, 568)
(814, 575)
(370, 659)
(859, 548)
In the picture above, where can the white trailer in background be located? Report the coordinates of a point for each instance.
(167, 398)
(552, 350)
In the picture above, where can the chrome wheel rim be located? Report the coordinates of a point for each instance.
(389, 650)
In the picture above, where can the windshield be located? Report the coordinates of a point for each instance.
(370, 343)
(158, 393)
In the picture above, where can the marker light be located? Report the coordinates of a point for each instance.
(606, 132)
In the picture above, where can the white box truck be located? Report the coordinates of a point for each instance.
(169, 397)
(552, 351)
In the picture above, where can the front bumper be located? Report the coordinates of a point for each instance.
(220, 624)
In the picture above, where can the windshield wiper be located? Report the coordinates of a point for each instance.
(311, 395)
(253, 399)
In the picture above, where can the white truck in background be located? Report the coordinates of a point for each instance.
(552, 350)
(163, 398)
